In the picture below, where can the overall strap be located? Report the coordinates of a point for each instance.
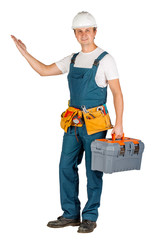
(74, 58)
(96, 61)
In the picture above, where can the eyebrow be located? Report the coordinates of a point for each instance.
(82, 29)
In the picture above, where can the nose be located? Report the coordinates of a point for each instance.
(84, 34)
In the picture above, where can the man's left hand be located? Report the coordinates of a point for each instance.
(118, 130)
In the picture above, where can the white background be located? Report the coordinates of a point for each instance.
(30, 108)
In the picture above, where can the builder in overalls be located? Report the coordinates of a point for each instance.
(86, 119)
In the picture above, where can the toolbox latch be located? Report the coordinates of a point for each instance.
(136, 149)
(99, 150)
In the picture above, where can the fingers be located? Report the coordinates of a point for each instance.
(117, 133)
(12, 36)
(22, 43)
(18, 43)
(113, 131)
(14, 39)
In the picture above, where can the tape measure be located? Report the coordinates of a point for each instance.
(77, 120)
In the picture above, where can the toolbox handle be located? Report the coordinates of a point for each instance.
(113, 137)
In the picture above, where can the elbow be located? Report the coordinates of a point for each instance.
(42, 74)
(43, 71)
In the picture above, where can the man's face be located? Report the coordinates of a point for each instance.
(85, 36)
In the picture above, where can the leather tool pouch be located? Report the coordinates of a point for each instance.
(96, 121)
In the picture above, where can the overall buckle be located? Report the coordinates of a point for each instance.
(96, 62)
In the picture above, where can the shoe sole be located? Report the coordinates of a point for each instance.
(66, 225)
(84, 231)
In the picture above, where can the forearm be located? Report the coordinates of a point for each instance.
(42, 69)
(35, 64)
(119, 105)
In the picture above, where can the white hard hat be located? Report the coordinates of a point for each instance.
(83, 19)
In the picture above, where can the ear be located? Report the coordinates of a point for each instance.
(95, 30)
(95, 33)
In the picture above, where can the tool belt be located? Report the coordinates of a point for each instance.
(96, 119)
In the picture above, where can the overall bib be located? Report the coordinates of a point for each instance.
(83, 91)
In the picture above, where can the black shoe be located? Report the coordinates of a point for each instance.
(63, 222)
(87, 226)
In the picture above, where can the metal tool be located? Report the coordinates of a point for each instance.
(86, 111)
(100, 108)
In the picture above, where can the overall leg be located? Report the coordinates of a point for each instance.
(71, 156)
(94, 180)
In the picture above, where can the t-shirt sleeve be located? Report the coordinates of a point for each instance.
(64, 64)
(110, 68)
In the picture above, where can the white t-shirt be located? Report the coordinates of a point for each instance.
(107, 69)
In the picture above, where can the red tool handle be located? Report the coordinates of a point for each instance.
(113, 137)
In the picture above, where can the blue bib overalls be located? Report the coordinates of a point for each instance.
(83, 91)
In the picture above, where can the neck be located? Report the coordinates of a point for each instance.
(88, 48)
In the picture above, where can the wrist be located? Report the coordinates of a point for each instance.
(118, 123)
(25, 54)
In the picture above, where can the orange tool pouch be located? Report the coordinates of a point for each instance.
(96, 120)
(68, 116)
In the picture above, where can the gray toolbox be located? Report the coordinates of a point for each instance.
(110, 155)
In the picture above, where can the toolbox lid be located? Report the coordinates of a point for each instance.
(119, 141)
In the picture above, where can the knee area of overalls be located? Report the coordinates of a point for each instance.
(94, 175)
(98, 174)
(66, 161)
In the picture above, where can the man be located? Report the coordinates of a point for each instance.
(90, 71)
